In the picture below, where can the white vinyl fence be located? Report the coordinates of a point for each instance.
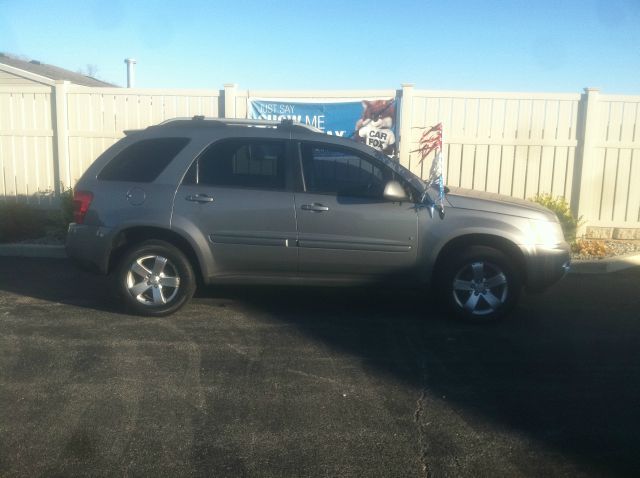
(585, 147)
(49, 136)
(27, 163)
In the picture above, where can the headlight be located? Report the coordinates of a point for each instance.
(543, 233)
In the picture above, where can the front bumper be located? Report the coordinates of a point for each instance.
(546, 265)
(90, 246)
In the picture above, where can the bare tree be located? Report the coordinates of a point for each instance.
(89, 70)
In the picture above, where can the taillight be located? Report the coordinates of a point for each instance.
(81, 202)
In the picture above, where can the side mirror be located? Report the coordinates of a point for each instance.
(393, 191)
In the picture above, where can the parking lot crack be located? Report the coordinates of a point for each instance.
(418, 420)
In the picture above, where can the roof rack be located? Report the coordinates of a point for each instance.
(284, 123)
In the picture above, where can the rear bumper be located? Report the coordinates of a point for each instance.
(546, 265)
(89, 246)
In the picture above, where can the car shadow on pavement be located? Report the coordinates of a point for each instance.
(56, 280)
(558, 381)
(551, 390)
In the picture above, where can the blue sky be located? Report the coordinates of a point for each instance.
(549, 46)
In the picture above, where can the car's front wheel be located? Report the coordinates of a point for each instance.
(154, 278)
(480, 284)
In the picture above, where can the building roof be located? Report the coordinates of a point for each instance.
(50, 72)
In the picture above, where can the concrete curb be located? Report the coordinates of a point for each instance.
(33, 250)
(605, 266)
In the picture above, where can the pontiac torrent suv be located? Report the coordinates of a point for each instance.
(240, 201)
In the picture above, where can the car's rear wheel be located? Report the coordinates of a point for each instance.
(480, 284)
(154, 278)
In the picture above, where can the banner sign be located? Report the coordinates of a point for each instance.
(372, 122)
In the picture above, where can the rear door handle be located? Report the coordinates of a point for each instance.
(199, 198)
(314, 207)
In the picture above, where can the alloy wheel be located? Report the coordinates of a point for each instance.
(480, 288)
(153, 280)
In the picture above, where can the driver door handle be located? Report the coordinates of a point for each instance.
(199, 198)
(314, 207)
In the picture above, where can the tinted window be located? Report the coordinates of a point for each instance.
(143, 161)
(340, 171)
(241, 163)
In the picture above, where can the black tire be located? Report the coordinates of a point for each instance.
(479, 284)
(154, 278)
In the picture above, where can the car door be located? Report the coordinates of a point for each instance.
(345, 226)
(237, 194)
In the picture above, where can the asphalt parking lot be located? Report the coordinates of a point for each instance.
(308, 382)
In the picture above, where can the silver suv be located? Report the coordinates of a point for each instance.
(237, 201)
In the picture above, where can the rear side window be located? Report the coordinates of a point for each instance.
(143, 161)
(241, 163)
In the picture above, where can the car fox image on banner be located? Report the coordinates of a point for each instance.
(372, 122)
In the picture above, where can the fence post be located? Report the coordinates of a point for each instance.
(230, 100)
(406, 116)
(61, 165)
(587, 134)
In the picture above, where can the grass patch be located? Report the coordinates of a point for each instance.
(20, 221)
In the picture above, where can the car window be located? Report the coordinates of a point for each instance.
(334, 170)
(143, 161)
(241, 163)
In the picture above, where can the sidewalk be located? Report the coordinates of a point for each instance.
(604, 266)
(596, 266)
